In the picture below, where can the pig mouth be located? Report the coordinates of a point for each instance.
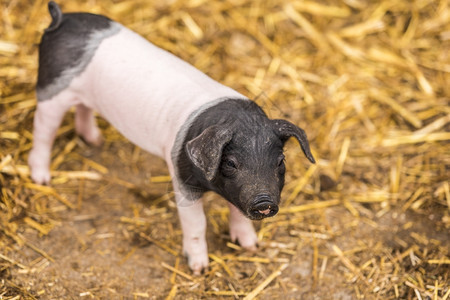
(262, 210)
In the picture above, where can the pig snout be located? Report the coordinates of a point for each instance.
(262, 207)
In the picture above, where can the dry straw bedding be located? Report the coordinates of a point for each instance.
(367, 80)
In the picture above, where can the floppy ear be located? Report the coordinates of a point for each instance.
(205, 151)
(285, 129)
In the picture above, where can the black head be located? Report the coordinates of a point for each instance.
(243, 161)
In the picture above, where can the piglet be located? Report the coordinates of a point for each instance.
(212, 137)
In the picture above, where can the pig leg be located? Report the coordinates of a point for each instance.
(241, 229)
(86, 125)
(47, 119)
(193, 225)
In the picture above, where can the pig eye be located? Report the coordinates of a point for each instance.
(230, 164)
(229, 167)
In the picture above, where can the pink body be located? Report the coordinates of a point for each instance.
(147, 94)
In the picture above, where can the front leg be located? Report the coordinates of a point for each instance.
(241, 229)
(193, 225)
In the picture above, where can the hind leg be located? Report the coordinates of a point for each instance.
(47, 119)
(86, 125)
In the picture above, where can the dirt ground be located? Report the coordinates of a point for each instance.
(367, 80)
(96, 250)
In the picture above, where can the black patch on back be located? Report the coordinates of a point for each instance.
(63, 47)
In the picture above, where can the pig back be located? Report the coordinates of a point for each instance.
(145, 92)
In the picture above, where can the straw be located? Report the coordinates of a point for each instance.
(368, 81)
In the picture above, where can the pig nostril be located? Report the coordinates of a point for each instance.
(264, 209)
(265, 212)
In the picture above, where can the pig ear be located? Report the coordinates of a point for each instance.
(205, 151)
(285, 130)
